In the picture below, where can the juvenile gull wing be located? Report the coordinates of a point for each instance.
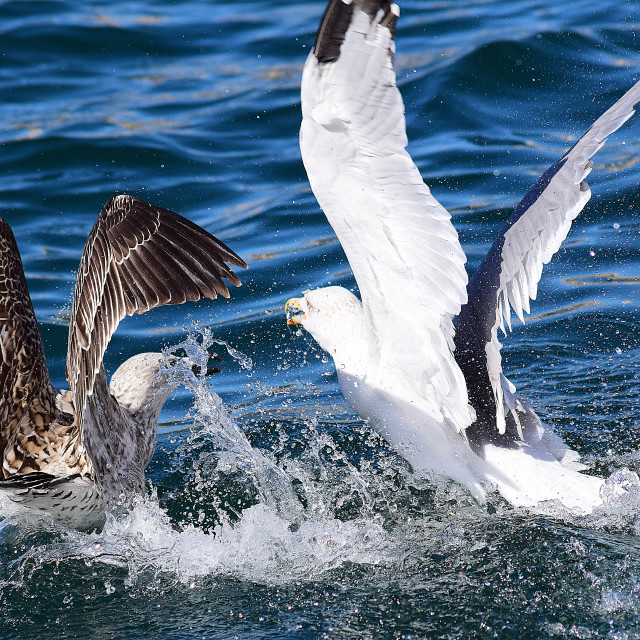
(508, 276)
(27, 397)
(400, 243)
(137, 257)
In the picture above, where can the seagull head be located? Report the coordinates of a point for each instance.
(332, 315)
(296, 311)
(139, 386)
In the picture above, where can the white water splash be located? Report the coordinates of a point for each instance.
(277, 541)
(273, 485)
(620, 494)
(261, 547)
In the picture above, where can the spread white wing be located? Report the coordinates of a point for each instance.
(399, 240)
(508, 276)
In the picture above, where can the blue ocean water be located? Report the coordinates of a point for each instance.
(308, 525)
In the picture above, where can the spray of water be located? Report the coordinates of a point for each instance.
(273, 485)
(374, 512)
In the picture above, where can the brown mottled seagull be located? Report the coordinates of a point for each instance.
(72, 453)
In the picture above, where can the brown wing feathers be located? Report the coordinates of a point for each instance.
(137, 257)
(27, 397)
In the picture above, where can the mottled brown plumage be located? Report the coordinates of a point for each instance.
(35, 434)
(137, 257)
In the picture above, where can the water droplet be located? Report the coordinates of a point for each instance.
(618, 350)
(496, 172)
(616, 225)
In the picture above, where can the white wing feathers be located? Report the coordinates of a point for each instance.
(536, 235)
(399, 240)
(536, 230)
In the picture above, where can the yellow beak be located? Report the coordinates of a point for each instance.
(294, 311)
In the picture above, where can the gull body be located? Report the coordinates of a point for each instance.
(418, 356)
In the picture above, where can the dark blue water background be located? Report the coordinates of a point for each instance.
(195, 106)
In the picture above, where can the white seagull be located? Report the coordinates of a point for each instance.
(418, 357)
(69, 454)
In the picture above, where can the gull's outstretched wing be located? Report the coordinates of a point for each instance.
(508, 276)
(137, 257)
(400, 243)
(27, 397)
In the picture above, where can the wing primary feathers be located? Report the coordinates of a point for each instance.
(137, 257)
(337, 20)
(189, 229)
(509, 274)
(333, 27)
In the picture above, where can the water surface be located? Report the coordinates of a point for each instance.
(308, 525)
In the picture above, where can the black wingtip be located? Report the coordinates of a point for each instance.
(333, 27)
(337, 18)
